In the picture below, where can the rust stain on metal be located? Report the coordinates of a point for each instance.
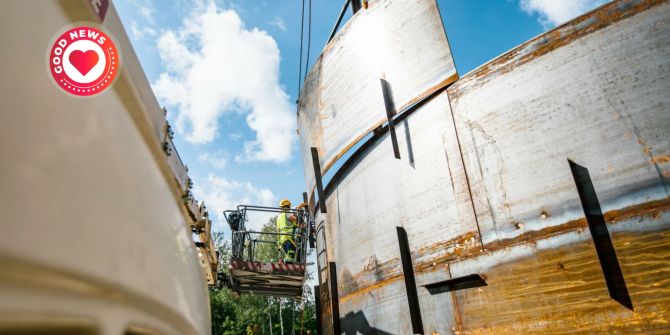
(370, 288)
(347, 283)
(568, 291)
(460, 247)
(560, 267)
(554, 39)
(390, 270)
(660, 159)
(544, 215)
(612, 216)
(637, 210)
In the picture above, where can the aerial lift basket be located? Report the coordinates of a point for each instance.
(256, 264)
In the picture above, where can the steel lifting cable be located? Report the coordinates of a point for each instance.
(309, 36)
(302, 26)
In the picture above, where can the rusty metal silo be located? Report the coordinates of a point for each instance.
(532, 193)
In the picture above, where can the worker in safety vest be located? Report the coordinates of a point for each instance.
(287, 225)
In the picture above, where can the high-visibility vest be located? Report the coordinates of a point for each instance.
(285, 226)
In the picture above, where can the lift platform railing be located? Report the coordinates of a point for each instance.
(264, 246)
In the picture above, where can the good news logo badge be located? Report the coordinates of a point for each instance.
(84, 61)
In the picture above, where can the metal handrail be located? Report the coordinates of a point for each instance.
(244, 245)
(244, 242)
(268, 233)
(244, 208)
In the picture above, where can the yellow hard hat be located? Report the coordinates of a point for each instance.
(285, 203)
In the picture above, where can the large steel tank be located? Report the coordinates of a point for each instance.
(484, 187)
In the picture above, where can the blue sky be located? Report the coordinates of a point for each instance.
(228, 73)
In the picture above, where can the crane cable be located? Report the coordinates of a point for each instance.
(302, 28)
(302, 78)
(309, 36)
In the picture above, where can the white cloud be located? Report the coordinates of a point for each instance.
(149, 31)
(235, 136)
(215, 65)
(278, 22)
(139, 33)
(144, 7)
(147, 13)
(215, 160)
(220, 194)
(554, 12)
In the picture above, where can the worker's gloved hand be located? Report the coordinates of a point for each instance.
(302, 205)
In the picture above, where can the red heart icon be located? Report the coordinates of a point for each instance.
(83, 61)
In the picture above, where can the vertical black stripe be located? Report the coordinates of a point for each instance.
(317, 307)
(317, 175)
(410, 284)
(600, 235)
(334, 298)
(390, 111)
(312, 234)
(355, 6)
(311, 204)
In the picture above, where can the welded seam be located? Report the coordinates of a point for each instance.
(446, 155)
(408, 107)
(377, 131)
(457, 308)
(465, 172)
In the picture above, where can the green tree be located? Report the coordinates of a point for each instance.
(269, 250)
